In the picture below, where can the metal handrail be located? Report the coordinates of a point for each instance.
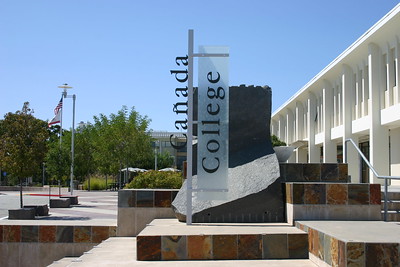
(385, 177)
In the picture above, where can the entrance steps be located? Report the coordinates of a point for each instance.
(393, 206)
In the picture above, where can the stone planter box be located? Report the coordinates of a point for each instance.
(22, 214)
(73, 199)
(40, 210)
(60, 203)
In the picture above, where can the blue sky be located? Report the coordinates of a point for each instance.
(120, 52)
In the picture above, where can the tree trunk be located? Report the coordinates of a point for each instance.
(20, 193)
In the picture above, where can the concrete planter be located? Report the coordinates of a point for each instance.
(283, 153)
(60, 203)
(40, 210)
(22, 214)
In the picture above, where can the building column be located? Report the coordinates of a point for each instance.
(290, 132)
(347, 119)
(313, 151)
(379, 135)
(396, 93)
(329, 146)
(395, 154)
(281, 128)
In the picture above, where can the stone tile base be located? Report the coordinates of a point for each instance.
(164, 242)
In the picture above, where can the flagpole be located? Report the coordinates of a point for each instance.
(62, 99)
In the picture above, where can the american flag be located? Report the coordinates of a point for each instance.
(58, 107)
(57, 113)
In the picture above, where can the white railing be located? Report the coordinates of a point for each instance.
(385, 177)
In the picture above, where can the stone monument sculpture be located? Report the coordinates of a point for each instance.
(253, 193)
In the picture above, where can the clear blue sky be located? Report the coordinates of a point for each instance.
(120, 52)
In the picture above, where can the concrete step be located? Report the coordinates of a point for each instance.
(121, 251)
(392, 205)
(392, 216)
(64, 262)
(391, 195)
(168, 239)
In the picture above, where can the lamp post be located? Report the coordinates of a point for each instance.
(65, 95)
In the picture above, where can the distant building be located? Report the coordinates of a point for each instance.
(356, 96)
(162, 142)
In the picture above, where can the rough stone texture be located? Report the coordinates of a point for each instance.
(22, 214)
(60, 203)
(253, 166)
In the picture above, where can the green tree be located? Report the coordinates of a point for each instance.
(121, 140)
(84, 153)
(58, 161)
(23, 144)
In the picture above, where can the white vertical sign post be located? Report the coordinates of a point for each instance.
(213, 124)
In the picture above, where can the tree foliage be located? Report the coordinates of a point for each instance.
(23, 143)
(157, 179)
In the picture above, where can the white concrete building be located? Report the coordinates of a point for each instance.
(356, 96)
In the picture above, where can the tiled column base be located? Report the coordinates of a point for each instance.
(339, 252)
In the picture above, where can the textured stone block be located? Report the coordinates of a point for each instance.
(73, 199)
(289, 194)
(329, 172)
(294, 172)
(383, 254)
(312, 172)
(173, 248)
(47, 233)
(100, 233)
(298, 246)
(148, 248)
(126, 198)
(337, 194)
(343, 172)
(22, 214)
(60, 203)
(65, 234)
(328, 249)
(375, 194)
(29, 233)
(249, 247)
(314, 194)
(275, 246)
(199, 247)
(298, 193)
(313, 245)
(355, 252)
(358, 194)
(12, 233)
(225, 247)
(145, 198)
(334, 252)
(40, 210)
(162, 199)
(82, 234)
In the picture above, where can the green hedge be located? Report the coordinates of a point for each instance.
(96, 183)
(157, 179)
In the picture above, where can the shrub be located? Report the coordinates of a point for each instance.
(96, 183)
(157, 179)
(276, 142)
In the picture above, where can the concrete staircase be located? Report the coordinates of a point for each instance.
(393, 206)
